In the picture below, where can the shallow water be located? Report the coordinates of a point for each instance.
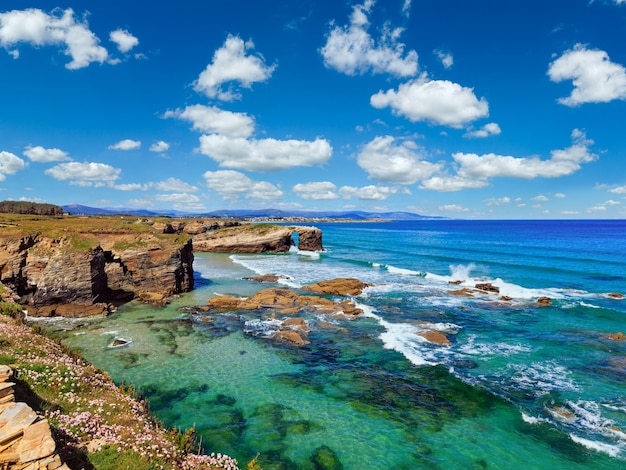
(520, 386)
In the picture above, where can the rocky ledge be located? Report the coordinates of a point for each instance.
(50, 276)
(261, 238)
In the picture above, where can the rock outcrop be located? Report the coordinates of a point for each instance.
(50, 276)
(25, 438)
(338, 286)
(261, 238)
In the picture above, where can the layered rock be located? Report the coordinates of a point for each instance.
(52, 277)
(262, 238)
(25, 438)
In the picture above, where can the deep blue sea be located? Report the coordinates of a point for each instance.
(520, 385)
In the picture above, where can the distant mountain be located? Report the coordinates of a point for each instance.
(77, 209)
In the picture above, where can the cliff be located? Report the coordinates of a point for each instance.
(82, 271)
(261, 238)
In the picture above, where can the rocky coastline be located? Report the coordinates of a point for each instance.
(85, 267)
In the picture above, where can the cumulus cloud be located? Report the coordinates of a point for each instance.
(160, 146)
(42, 155)
(85, 174)
(126, 144)
(233, 184)
(385, 160)
(453, 208)
(474, 171)
(498, 201)
(368, 193)
(540, 198)
(595, 78)
(60, 28)
(213, 120)
(124, 40)
(264, 154)
(438, 101)
(231, 64)
(618, 190)
(319, 190)
(10, 164)
(351, 50)
(445, 57)
(487, 130)
(174, 184)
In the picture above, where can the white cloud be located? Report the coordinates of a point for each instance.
(231, 64)
(84, 174)
(498, 201)
(60, 28)
(540, 198)
(368, 193)
(560, 195)
(597, 208)
(611, 202)
(384, 160)
(438, 101)
(487, 130)
(474, 170)
(445, 57)
(131, 187)
(596, 79)
(124, 40)
(232, 184)
(42, 155)
(620, 189)
(126, 144)
(352, 50)
(10, 164)
(318, 190)
(213, 120)
(174, 184)
(264, 154)
(453, 208)
(160, 146)
(406, 7)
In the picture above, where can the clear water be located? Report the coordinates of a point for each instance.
(520, 386)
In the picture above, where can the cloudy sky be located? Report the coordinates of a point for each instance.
(481, 109)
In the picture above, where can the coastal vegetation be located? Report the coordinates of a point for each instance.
(96, 424)
(26, 207)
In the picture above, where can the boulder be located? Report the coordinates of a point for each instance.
(434, 336)
(338, 286)
(488, 287)
(615, 295)
(294, 323)
(290, 336)
(544, 301)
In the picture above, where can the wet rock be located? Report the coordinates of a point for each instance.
(297, 323)
(434, 336)
(465, 364)
(455, 283)
(615, 336)
(544, 301)
(615, 295)
(290, 336)
(506, 298)
(223, 302)
(464, 292)
(309, 238)
(324, 458)
(338, 286)
(488, 287)
(265, 278)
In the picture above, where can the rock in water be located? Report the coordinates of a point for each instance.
(324, 458)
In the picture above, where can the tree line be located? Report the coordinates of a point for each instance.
(26, 207)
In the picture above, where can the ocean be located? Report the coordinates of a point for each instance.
(520, 385)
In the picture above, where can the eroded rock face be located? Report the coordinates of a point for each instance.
(309, 238)
(245, 239)
(52, 278)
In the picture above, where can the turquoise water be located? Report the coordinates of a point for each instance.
(520, 386)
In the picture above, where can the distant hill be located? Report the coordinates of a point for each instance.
(77, 209)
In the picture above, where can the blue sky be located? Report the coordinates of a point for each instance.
(477, 109)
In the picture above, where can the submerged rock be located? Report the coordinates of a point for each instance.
(615, 336)
(290, 336)
(324, 458)
(464, 292)
(265, 278)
